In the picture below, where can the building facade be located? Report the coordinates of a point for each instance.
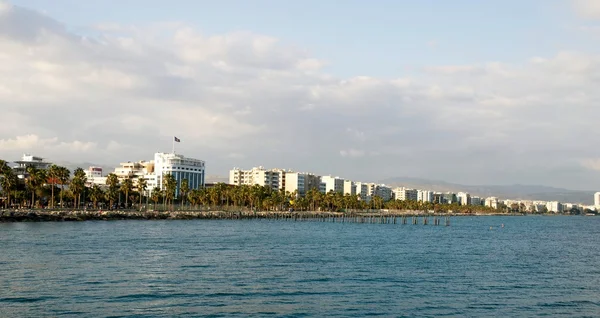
(335, 184)
(181, 168)
(27, 160)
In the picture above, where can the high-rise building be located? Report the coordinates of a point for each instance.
(349, 187)
(335, 184)
(404, 194)
(463, 198)
(181, 167)
(597, 199)
(27, 161)
(424, 196)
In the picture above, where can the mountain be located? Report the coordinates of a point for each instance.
(515, 191)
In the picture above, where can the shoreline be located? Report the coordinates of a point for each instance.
(7, 216)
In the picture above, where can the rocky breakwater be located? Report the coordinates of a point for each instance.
(50, 215)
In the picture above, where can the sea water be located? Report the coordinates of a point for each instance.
(533, 266)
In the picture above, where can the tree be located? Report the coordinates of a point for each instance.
(77, 185)
(170, 185)
(96, 194)
(35, 180)
(142, 185)
(156, 195)
(126, 187)
(53, 177)
(184, 189)
(8, 182)
(112, 181)
(63, 178)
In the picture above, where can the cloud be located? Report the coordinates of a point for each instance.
(587, 8)
(123, 93)
(591, 164)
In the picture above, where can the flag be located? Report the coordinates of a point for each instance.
(177, 139)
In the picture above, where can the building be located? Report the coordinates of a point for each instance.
(362, 190)
(349, 187)
(404, 194)
(424, 196)
(181, 168)
(384, 192)
(492, 202)
(554, 206)
(476, 201)
(27, 160)
(273, 178)
(94, 176)
(301, 182)
(597, 199)
(463, 198)
(335, 184)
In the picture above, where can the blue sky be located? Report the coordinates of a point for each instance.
(474, 92)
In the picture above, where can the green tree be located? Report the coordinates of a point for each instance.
(63, 178)
(8, 182)
(96, 194)
(53, 178)
(77, 185)
(112, 181)
(170, 185)
(156, 195)
(142, 185)
(184, 189)
(126, 187)
(35, 180)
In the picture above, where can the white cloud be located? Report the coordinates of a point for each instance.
(587, 8)
(123, 94)
(591, 164)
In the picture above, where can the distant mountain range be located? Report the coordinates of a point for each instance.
(515, 191)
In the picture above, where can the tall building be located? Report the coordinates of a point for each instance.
(349, 187)
(476, 201)
(384, 192)
(273, 178)
(362, 189)
(492, 202)
(424, 196)
(335, 184)
(463, 198)
(181, 168)
(300, 182)
(404, 194)
(27, 161)
(597, 199)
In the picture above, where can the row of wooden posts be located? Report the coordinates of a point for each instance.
(344, 218)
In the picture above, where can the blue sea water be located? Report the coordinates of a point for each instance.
(533, 266)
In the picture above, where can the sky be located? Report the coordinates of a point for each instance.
(472, 92)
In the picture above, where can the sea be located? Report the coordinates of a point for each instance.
(479, 266)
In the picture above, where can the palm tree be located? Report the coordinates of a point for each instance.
(77, 185)
(184, 189)
(142, 185)
(63, 178)
(126, 187)
(170, 185)
(112, 181)
(35, 180)
(8, 182)
(96, 194)
(53, 177)
(156, 194)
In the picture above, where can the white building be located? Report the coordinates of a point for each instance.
(349, 187)
(597, 199)
(335, 184)
(492, 202)
(94, 176)
(424, 196)
(554, 206)
(301, 182)
(181, 168)
(463, 198)
(272, 178)
(404, 194)
(28, 160)
(362, 189)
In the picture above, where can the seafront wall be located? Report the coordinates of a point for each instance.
(354, 217)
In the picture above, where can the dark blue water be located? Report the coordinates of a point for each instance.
(534, 266)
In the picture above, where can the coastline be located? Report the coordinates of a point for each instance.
(7, 216)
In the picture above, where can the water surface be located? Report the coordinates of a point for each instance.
(534, 266)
